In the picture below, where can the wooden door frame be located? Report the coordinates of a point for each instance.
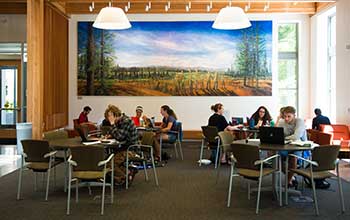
(18, 64)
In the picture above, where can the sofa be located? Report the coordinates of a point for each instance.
(340, 136)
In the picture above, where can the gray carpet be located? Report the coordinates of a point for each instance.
(186, 191)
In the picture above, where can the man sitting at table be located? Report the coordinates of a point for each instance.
(294, 129)
(139, 119)
(123, 130)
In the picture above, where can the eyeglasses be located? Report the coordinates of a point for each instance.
(262, 111)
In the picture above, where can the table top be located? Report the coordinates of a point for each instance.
(274, 147)
(76, 142)
(246, 129)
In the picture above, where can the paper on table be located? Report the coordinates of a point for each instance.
(302, 143)
(92, 142)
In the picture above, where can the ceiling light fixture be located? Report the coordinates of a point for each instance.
(111, 18)
(166, 8)
(126, 9)
(231, 18)
(92, 6)
(187, 8)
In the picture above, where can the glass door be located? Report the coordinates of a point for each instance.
(9, 94)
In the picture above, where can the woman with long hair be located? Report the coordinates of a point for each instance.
(261, 117)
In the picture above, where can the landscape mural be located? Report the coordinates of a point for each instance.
(175, 59)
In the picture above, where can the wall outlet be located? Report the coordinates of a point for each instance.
(347, 46)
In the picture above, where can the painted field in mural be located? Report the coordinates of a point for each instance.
(175, 59)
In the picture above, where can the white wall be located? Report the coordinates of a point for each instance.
(192, 111)
(13, 28)
(343, 62)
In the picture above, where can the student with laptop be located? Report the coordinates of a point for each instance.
(294, 129)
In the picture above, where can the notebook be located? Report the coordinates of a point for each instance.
(272, 135)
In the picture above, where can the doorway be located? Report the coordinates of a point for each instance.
(10, 89)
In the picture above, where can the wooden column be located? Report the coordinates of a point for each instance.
(35, 71)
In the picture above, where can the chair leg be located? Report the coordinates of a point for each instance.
(180, 149)
(340, 191)
(112, 182)
(218, 170)
(160, 146)
(286, 179)
(20, 180)
(103, 191)
(69, 190)
(76, 191)
(127, 170)
(175, 149)
(230, 187)
(48, 179)
(89, 188)
(217, 155)
(35, 181)
(54, 178)
(154, 169)
(249, 191)
(259, 190)
(201, 153)
(280, 179)
(314, 192)
(65, 170)
(144, 167)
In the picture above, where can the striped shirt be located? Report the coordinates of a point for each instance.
(125, 131)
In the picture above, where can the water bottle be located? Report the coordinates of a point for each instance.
(272, 123)
(251, 123)
(142, 124)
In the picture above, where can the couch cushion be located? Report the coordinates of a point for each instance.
(339, 132)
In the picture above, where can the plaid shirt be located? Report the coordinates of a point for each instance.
(125, 131)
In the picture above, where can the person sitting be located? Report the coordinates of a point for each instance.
(168, 123)
(83, 117)
(138, 118)
(279, 117)
(219, 121)
(123, 130)
(294, 129)
(261, 117)
(319, 119)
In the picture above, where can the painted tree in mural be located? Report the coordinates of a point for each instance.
(251, 59)
(95, 59)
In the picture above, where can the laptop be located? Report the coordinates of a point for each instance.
(236, 120)
(84, 136)
(272, 135)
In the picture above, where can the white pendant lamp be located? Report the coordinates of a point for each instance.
(112, 18)
(231, 18)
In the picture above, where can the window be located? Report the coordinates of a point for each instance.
(288, 64)
(331, 64)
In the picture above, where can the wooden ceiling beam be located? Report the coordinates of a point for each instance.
(13, 8)
(196, 7)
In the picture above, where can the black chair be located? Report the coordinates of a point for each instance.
(210, 136)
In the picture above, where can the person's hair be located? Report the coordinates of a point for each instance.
(266, 118)
(216, 107)
(87, 108)
(114, 110)
(169, 111)
(318, 111)
(289, 109)
(139, 108)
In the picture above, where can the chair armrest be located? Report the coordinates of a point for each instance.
(71, 162)
(303, 159)
(103, 162)
(50, 154)
(233, 158)
(266, 159)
